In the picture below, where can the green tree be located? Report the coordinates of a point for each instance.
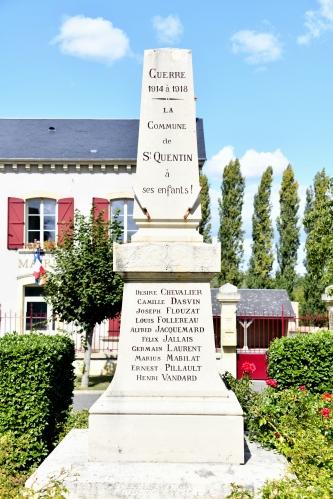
(318, 225)
(82, 287)
(287, 226)
(205, 225)
(261, 261)
(230, 232)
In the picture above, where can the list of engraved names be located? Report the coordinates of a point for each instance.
(166, 334)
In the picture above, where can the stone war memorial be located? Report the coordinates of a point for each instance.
(166, 426)
(167, 402)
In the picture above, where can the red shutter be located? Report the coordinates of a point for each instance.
(65, 217)
(101, 205)
(15, 233)
(114, 327)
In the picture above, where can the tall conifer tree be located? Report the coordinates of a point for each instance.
(230, 232)
(318, 225)
(205, 225)
(261, 261)
(288, 230)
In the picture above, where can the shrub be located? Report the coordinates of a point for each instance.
(75, 419)
(299, 424)
(15, 460)
(305, 359)
(246, 396)
(36, 387)
(293, 489)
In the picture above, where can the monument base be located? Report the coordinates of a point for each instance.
(69, 465)
(166, 429)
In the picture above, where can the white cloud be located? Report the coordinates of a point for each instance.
(216, 164)
(169, 29)
(258, 48)
(92, 38)
(317, 22)
(253, 163)
(326, 9)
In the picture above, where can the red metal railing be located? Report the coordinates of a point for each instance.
(256, 333)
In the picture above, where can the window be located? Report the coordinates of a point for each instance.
(124, 208)
(37, 313)
(40, 220)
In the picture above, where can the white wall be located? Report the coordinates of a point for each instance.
(82, 185)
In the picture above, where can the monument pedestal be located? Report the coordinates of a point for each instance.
(167, 402)
(83, 479)
(166, 430)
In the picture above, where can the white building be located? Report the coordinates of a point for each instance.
(49, 168)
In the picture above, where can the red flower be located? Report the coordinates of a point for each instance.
(271, 382)
(326, 396)
(248, 368)
(277, 434)
(302, 388)
(325, 412)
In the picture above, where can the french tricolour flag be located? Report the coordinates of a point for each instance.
(38, 268)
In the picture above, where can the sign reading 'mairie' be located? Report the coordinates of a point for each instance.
(167, 184)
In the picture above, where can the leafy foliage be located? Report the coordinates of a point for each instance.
(75, 419)
(294, 422)
(288, 231)
(14, 453)
(318, 224)
(242, 388)
(230, 231)
(36, 387)
(205, 225)
(299, 425)
(305, 359)
(82, 287)
(239, 492)
(15, 462)
(289, 488)
(261, 261)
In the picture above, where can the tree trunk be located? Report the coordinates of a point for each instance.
(87, 357)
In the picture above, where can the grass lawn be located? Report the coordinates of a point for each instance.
(95, 382)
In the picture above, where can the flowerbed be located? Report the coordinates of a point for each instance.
(297, 423)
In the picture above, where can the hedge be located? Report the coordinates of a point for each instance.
(36, 388)
(303, 360)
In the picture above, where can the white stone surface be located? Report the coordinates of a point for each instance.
(164, 438)
(167, 257)
(86, 480)
(167, 401)
(167, 181)
(228, 297)
(166, 344)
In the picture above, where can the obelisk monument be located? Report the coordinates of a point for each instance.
(167, 402)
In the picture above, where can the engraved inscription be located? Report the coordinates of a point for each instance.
(166, 333)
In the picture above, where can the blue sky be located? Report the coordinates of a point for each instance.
(263, 74)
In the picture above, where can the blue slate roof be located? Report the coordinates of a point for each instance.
(75, 139)
(259, 303)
